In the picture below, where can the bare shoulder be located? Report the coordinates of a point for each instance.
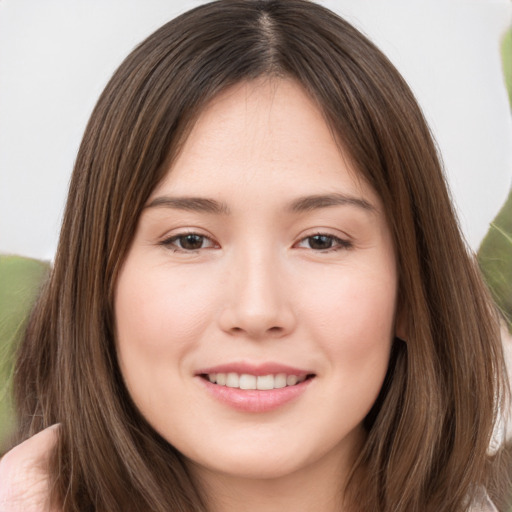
(24, 484)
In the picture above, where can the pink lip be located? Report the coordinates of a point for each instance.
(253, 400)
(255, 369)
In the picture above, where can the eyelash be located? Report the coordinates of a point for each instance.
(170, 243)
(337, 243)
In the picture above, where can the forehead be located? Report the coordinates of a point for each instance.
(270, 134)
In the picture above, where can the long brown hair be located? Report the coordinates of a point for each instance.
(428, 432)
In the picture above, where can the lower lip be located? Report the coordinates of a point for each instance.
(253, 400)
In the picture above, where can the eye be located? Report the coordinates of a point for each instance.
(324, 242)
(188, 242)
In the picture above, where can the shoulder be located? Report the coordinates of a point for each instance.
(24, 481)
(482, 503)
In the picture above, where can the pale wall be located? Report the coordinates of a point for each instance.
(57, 55)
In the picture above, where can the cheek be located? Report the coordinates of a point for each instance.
(358, 344)
(354, 320)
(157, 313)
(159, 322)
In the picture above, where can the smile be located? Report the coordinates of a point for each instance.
(259, 382)
(255, 388)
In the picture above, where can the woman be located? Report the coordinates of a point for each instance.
(261, 298)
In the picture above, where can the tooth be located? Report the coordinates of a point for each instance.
(291, 380)
(232, 380)
(247, 381)
(280, 381)
(265, 382)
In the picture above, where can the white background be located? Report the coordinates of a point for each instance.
(57, 55)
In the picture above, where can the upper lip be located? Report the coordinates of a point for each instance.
(268, 368)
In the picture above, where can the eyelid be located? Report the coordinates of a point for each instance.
(341, 243)
(169, 240)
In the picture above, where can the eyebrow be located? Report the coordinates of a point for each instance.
(195, 204)
(314, 202)
(300, 205)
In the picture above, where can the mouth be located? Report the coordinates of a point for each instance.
(248, 381)
(251, 393)
(255, 388)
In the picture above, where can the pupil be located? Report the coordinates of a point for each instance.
(320, 242)
(191, 242)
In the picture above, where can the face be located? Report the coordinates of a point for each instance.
(256, 307)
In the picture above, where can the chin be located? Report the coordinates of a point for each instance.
(257, 467)
(261, 461)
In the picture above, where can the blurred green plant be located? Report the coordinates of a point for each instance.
(495, 252)
(20, 281)
(495, 259)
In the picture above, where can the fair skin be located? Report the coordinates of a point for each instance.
(262, 260)
(261, 255)
(24, 483)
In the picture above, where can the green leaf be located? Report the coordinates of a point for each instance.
(495, 253)
(20, 281)
(495, 259)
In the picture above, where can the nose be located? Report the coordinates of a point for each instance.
(258, 298)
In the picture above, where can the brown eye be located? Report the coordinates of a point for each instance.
(324, 242)
(191, 242)
(320, 242)
(188, 242)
